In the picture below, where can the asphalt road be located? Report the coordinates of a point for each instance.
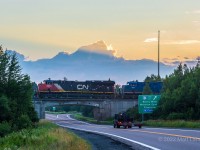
(150, 138)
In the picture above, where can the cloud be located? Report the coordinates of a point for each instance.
(193, 12)
(182, 42)
(186, 58)
(100, 47)
(191, 62)
(196, 22)
(148, 40)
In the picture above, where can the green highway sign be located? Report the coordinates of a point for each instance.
(147, 103)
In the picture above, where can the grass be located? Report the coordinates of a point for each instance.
(79, 116)
(46, 136)
(52, 112)
(172, 123)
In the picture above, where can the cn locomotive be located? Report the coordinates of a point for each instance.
(76, 89)
(134, 88)
(92, 89)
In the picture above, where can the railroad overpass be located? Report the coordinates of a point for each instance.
(103, 108)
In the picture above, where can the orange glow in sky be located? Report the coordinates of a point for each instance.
(41, 29)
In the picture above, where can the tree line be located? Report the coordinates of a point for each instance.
(180, 95)
(16, 109)
(180, 98)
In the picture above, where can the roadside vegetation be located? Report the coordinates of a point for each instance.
(16, 109)
(87, 111)
(173, 123)
(79, 116)
(46, 136)
(56, 113)
(180, 98)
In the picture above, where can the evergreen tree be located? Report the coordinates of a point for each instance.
(4, 109)
(152, 78)
(4, 63)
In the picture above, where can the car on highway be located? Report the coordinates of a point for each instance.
(124, 120)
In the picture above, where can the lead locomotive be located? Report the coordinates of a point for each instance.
(76, 89)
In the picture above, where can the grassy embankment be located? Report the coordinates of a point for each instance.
(150, 123)
(46, 136)
(172, 123)
(79, 116)
(52, 112)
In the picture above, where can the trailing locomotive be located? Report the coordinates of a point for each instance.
(76, 89)
(135, 88)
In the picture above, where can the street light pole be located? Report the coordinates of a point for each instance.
(158, 53)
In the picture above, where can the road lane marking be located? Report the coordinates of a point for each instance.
(151, 132)
(168, 134)
(185, 130)
(113, 135)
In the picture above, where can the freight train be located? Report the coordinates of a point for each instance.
(92, 89)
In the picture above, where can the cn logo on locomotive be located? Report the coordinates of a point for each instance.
(82, 87)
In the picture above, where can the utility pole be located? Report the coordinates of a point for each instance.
(158, 53)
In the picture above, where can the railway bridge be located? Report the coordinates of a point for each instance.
(103, 108)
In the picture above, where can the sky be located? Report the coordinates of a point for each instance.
(42, 28)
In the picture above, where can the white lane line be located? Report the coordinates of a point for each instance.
(120, 137)
(174, 129)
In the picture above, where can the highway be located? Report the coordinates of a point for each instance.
(150, 138)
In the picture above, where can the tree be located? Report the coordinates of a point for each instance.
(4, 109)
(147, 89)
(4, 64)
(15, 94)
(180, 98)
(152, 78)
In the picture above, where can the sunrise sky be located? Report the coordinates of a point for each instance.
(42, 28)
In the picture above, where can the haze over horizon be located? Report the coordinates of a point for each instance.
(41, 29)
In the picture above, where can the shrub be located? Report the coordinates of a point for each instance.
(5, 128)
(23, 122)
(176, 116)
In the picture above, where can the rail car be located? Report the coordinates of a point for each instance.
(76, 89)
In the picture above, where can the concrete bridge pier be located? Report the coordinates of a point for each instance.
(109, 108)
(40, 109)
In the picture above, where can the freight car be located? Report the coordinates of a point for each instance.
(134, 88)
(76, 89)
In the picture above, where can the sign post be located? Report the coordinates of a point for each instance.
(147, 103)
